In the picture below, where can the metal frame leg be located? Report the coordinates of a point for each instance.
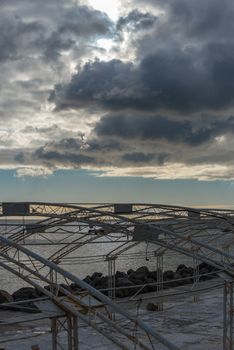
(228, 316)
(72, 333)
(54, 330)
(195, 278)
(160, 278)
(70, 325)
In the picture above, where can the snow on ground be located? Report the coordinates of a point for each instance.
(188, 324)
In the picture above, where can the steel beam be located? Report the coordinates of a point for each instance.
(70, 307)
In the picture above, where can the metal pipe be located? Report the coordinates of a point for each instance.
(93, 291)
(62, 307)
(192, 240)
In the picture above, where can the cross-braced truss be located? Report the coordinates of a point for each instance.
(203, 234)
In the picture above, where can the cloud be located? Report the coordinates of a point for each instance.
(15, 35)
(155, 158)
(135, 20)
(33, 172)
(99, 83)
(66, 153)
(155, 127)
(158, 103)
(50, 31)
(206, 20)
(183, 63)
(171, 79)
(138, 157)
(175, 171)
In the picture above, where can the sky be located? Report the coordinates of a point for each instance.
(117, 101)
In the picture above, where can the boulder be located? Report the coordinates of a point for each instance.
(136, 281)
(120, 274)
(124, 282)
(152, 307)
(25, 293)
(96, 275)
(5, 297)
(184, 272)
(119, 293)
(181, 267)
(65, 286)
(168, 275)
(74, 287)
(132, 276)
(204, 271)
(102, 283)
(97, 281)
(137, 278)
(125, 292)
(144, 271)
(153, 274)
(87, 279)
(206, 266)
(150, 287)
(54, 289)
(178, 277)
(188, 272)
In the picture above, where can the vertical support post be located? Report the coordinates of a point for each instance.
(160, 278)
(53, 278)
(75, 335)
(18, 258)
(72, 332)
(195, 278)
(111, 280)
(111, 277)
(228, 316)
(69, 333)
(54, 331)
(6, 226)
(70, 325)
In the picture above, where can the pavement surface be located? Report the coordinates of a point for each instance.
(189, 324)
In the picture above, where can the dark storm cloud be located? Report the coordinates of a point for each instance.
(76, 152)
(135, 20)
(13, 34)
(101, 83)
(104, 146)
(157, 127)
(85, 21)
(55, 158)
(168, 79)
(94, 152)
(39, 41)
(138, 157)
(207, 20)
(165, 97)
(184, 64)
(148, 158)
(24, 29)
(77, 144)
(77, 25)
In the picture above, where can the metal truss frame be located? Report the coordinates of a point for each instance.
(205, 235)
(78, 306)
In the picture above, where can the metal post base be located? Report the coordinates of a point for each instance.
(68, 324)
